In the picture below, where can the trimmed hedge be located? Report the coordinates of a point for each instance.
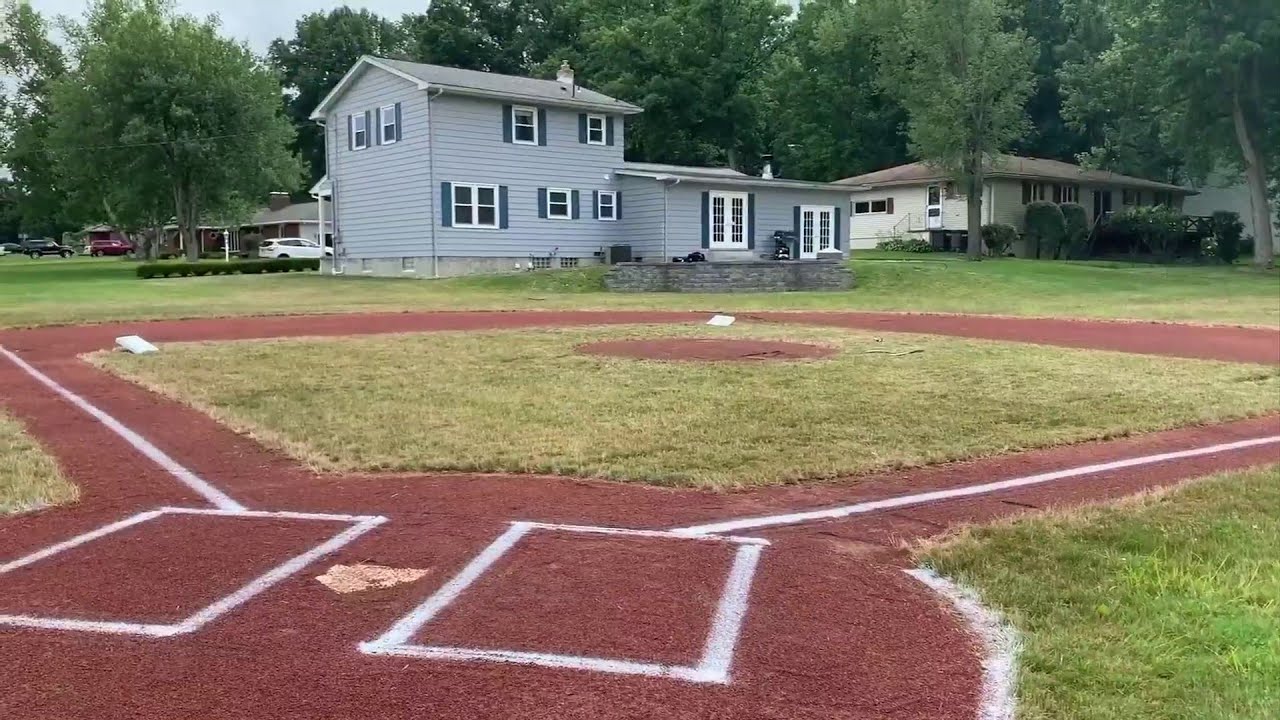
(1046, 230)
(905, 244)
(1077, 240)
(999, 237)
(243, 267)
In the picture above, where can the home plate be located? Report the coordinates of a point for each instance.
(361, 577)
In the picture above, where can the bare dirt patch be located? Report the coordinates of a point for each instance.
(707, 350)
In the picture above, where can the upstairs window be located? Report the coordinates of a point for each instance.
(390, 129)
(524, 125)
(595, 130)
(359, 131)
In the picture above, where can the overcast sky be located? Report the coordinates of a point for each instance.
(257, 21)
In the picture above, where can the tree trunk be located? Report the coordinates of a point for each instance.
(1256, 175)
(974, 201)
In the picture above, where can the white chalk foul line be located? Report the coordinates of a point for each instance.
(960, 492)
(713, 667)
(361, 524)
(141, 444)
(1000, 646)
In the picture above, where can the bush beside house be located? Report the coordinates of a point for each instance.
(1046, 230)
(243, 267)
(999, 237)
(1077, 226)
(1228, 236)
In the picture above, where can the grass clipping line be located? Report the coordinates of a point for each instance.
(29, 477)
(1159, 606)
(525, 401)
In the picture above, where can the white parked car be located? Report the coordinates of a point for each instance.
(292, 248)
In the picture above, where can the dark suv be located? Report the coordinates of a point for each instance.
(40, 248)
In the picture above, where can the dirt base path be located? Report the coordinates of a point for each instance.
(561, 621)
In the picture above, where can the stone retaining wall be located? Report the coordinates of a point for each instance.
(723, 277)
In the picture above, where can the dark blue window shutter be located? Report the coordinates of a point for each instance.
(573, 202)
(595, 204)
(542, 202)
(351, 132)
(617, 205)
(502, 207)
(751, 221)
(378, 117)
(446, 204)
(608, 130)
(368, 128)
(706, 220)
(542, 126)
(582, 128)
(795, 220)
(506, 123)
(399, 123)
(835, 239)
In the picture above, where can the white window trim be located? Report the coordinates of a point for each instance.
(568, 203)
(475, 205)
(604, 133)
(613, 204)
(355, 132)
(533, 113)
(728, 243)
(387, 114)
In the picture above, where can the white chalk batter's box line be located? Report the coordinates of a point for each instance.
(717, 655)
(360, 524)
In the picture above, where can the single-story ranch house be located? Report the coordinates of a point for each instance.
(436, 171)
(917, 200)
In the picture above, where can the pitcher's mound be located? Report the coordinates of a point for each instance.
(706, 350)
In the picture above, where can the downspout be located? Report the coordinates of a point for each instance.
(431, 178)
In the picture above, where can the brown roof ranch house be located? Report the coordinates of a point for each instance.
(917, 199)
(436, 171)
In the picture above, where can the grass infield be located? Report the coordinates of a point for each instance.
(1165, 606)
(525, 401)
(29, 478)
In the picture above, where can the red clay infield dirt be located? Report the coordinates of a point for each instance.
(706, 350)
(831, 627)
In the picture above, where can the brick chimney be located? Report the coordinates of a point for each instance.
(565, 75)
(278, 201)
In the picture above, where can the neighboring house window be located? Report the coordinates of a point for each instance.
(861, 208)
(606, 206)
(524, 124)
(359, 131)
(595, 130)
(390, 132)
(1129, 197)
(879, 206)
(1032, 192)
(558, 205)
(1164, 198)
(475, 206)
(728, 220)
(873, 207)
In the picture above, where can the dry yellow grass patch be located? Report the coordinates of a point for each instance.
(29, 478)
(524, 401)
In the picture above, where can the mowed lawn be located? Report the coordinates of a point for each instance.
(54, 291)
(1163, 607)
(29, 478)
(525, 401)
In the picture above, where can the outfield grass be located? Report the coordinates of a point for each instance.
(1163, 607)
(29, 478)
(50, 291)
(524, 401)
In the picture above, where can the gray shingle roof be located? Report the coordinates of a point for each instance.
(1014, 167)
(298, 212)
(512, 86)
(682, 169)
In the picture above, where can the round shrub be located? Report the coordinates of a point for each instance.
(1046, 230)
(999, 237)
(1228, 236)
(1077, 225)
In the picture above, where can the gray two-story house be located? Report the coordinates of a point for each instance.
(435, 171)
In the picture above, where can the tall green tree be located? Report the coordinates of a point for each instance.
(1204, 74)
(962, 70)
(159, 100)
(823, 120)
(33, 62)
(1051, 133)
(693, 65)
(324, 47)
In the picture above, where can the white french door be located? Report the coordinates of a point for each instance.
(817, 228)
(728, 221)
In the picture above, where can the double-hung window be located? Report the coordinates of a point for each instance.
(607, 205)
(359, 131)
(595, 130)
(389, 131)
(559, 206)
(524, 125)
(475, 206)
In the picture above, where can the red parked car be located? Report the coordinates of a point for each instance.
(114, 246)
